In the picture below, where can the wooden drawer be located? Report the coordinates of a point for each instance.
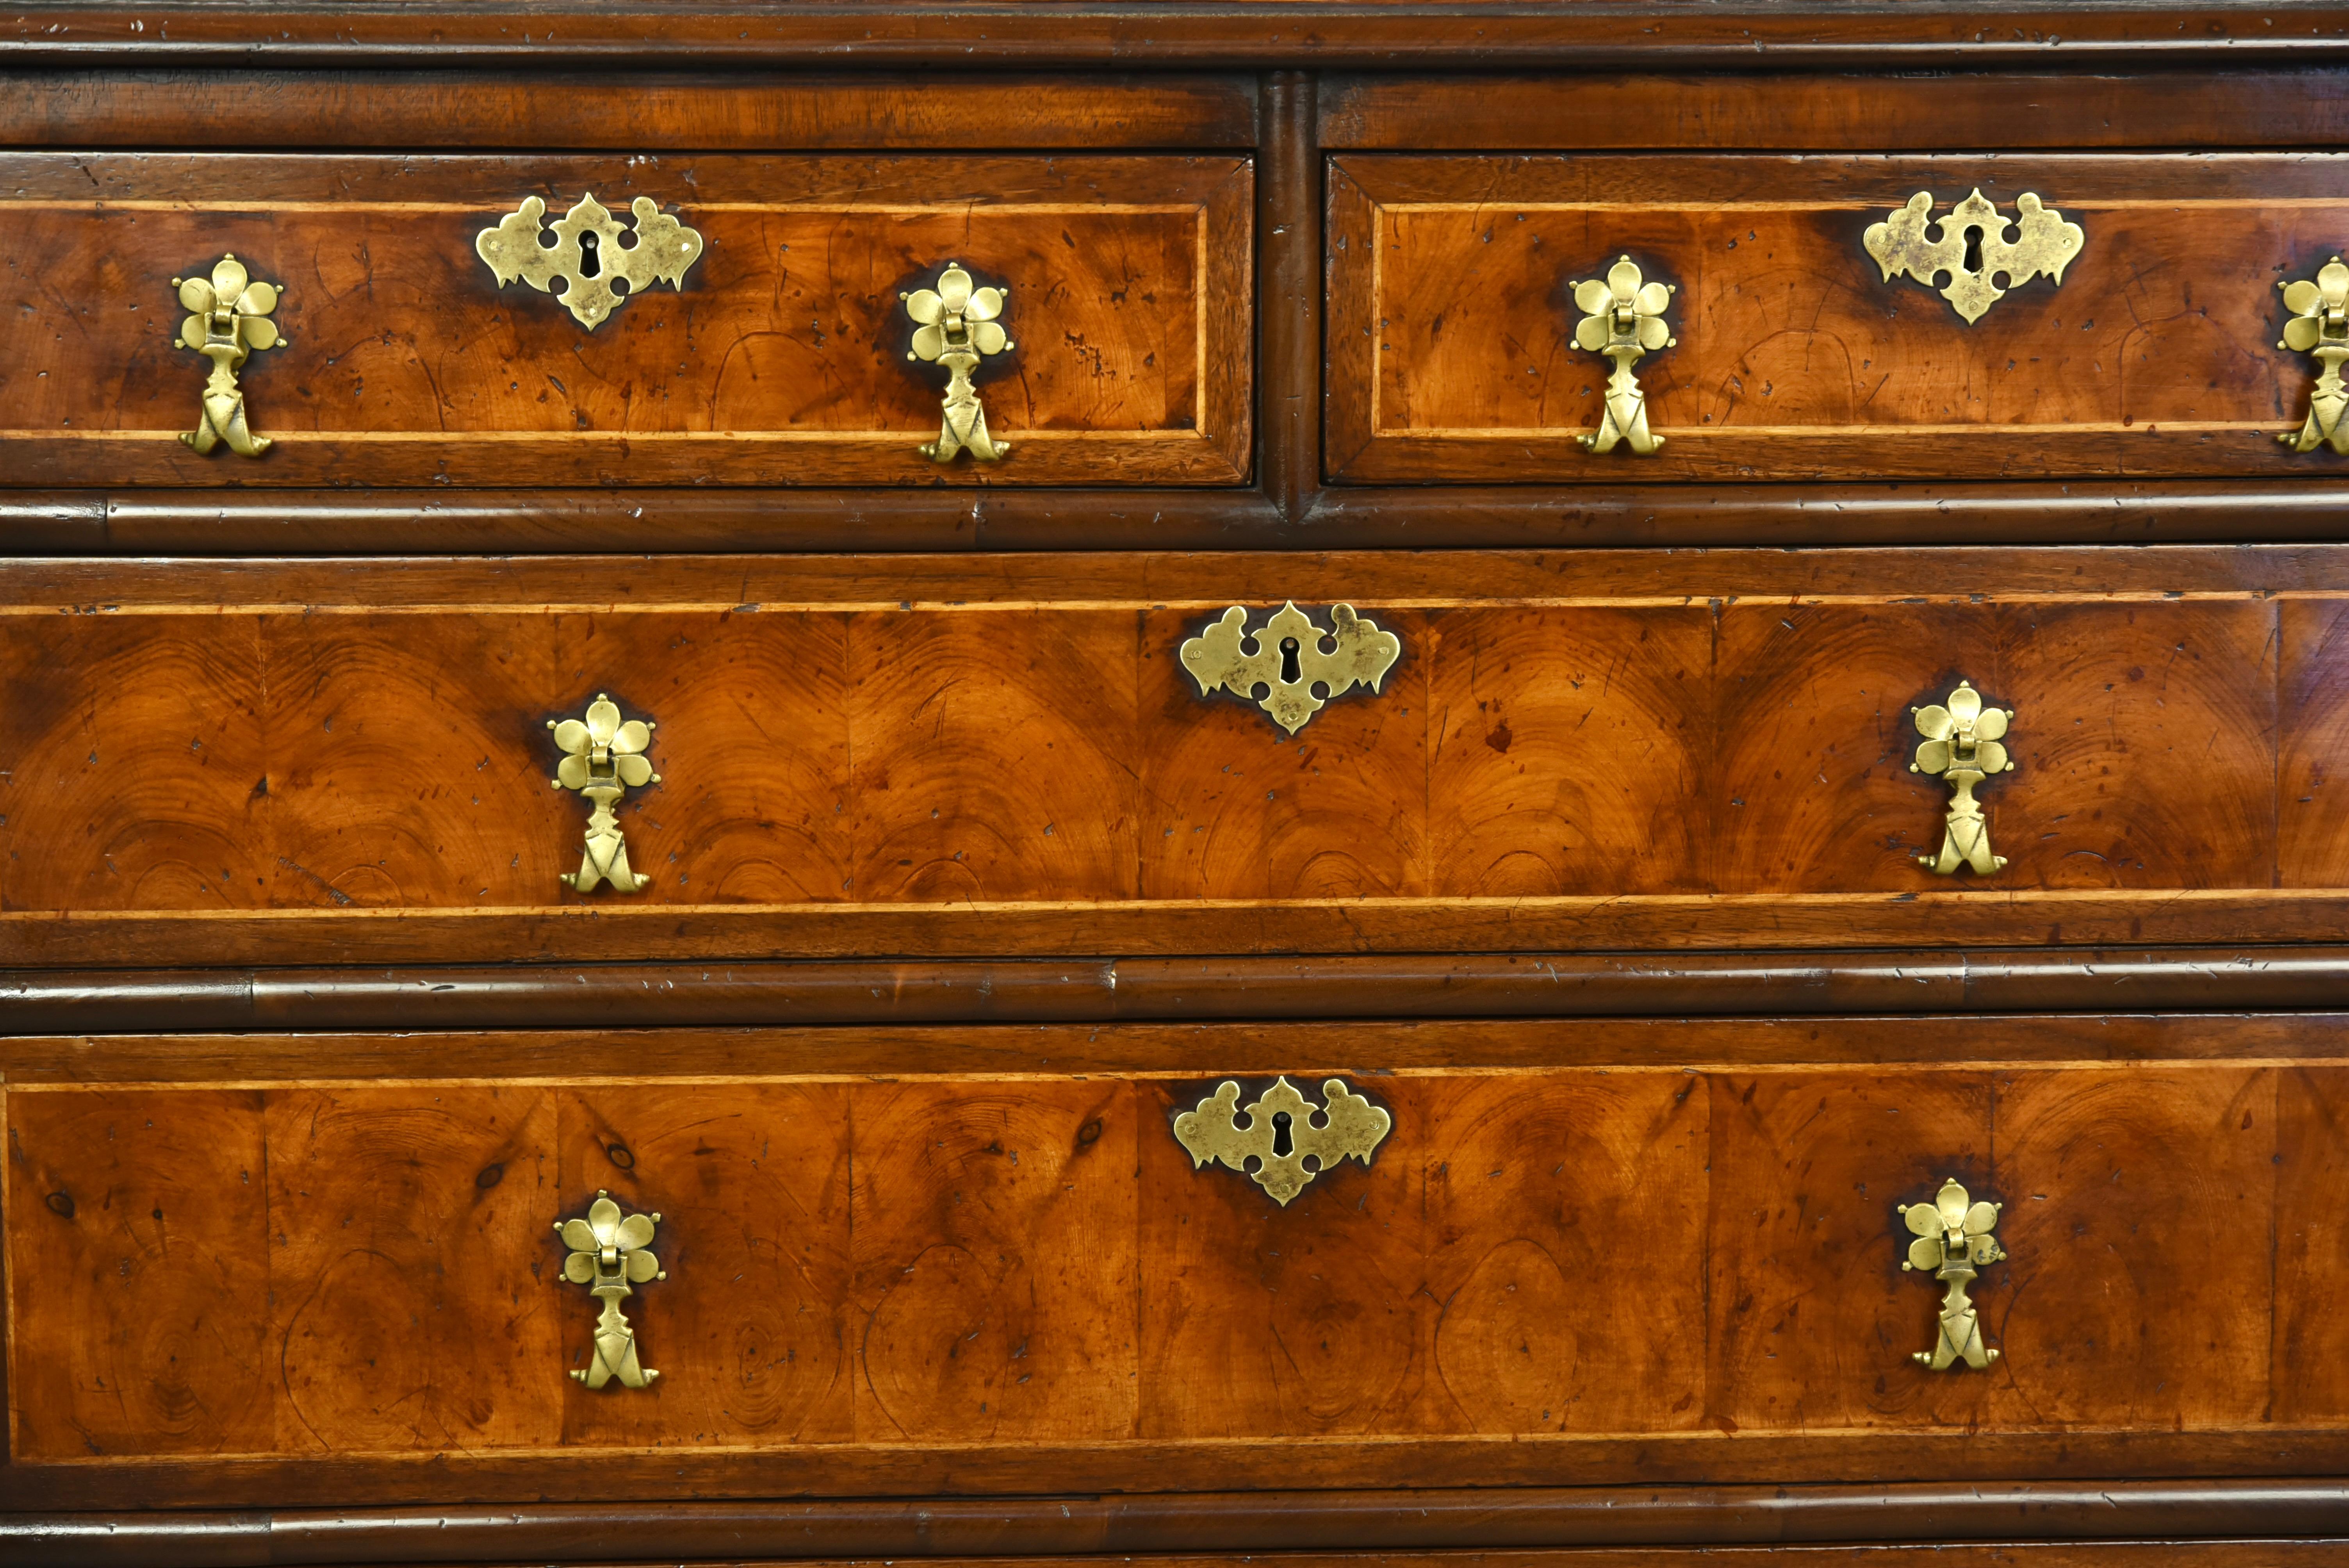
(261, 1269)
(1452, 320)
(331, 762)
(783, 361)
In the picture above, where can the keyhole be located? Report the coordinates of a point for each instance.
(1280, 1143)
(1289, 669)
(590, 264)
(1974, 248)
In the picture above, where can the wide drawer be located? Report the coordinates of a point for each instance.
(325, 762)
(249, 1268)
(1453, 316)
(782, 353)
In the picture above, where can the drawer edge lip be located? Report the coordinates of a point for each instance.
(1326, 1521)
(787, 993)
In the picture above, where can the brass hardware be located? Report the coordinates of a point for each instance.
(603, 759)
(588, 256)
(2320, 325)
(1961, 745)
(1953, 1242)
(955, 325)
(1625, 320)
(1288, 660)
(1969, 243)
(230, 321)
(1281, 1135)
(608, 1254)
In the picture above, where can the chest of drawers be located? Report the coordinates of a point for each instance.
(1556, 784)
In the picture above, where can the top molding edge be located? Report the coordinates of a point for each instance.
(1265, 34)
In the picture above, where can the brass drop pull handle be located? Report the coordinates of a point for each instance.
(611, 1255)
(1289, 1147)
(1625, 320)
(603, 759)
(1970, 242)
(956, 325)
(1953, 1242)
(230, 322)
(1288, 659)
(586, 256)
(1962, 745)
(2319, 327)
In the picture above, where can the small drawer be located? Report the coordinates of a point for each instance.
(768, 337)
(993, 1260)
(1780, 349)
(341, 762)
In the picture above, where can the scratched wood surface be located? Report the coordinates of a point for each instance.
(1451, 318)
(1590, 1259)
(782, 360)
(1018, 765)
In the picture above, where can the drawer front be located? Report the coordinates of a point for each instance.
(334, 762)
(1453, 317)
(1629, 1251)
(780, 354)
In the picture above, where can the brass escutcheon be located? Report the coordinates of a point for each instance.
(586, 256)
(2319, 327)
(1970, 242)
(1281, 1135)
(1287, 658)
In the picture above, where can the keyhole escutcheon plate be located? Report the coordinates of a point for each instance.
(1285, 1141)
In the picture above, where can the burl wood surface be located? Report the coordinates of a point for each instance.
(1451, 318)
(293, 763)
(1626, 1270)
(782, 360)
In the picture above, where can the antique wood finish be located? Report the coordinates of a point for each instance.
(1934, 33)
(588, 1535)
(1845, 111)
(783, 361)
(1399, 986)
(1450, 326)
(350, 1274)
(2226, 1527)
(581, 110)
(299, 763)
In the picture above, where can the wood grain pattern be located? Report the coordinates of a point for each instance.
(1835, 110)
(707, 110)
(1572, 753)
(1590, 1258)
(782, 360)
(1450, 319)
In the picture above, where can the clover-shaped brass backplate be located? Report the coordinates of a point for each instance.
(2319, 327)
(1288, 658)
(1625, 320)
(1953, 1242)
(609, 1255)
(230, 321)
(603, 759)
(586, 256)
(1281, 1135)
(1962, 745)
(956, 325)
(1970, 242)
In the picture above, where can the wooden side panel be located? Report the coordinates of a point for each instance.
(1592, 1255)
(1450, 319)
(369, 783)
(782, 360)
